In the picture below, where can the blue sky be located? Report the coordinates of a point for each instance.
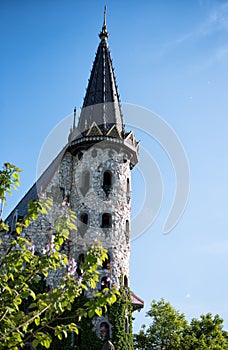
(170, 57)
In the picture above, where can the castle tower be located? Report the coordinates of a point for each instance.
(104, 155)
(92, 175)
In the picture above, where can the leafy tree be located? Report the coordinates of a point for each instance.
(29, 312)
(141, 340)
(205, 333)
(170, 331)
(166, 330)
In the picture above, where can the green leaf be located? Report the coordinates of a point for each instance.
(18, 229)
(45, 273)
(113, 298)
(15, 176)
(37, 321)
(61, 240)
(91, 313)
(98, 311)
(35, 343)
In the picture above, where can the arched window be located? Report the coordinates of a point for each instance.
(107, 178)
(85, 182)
(128, 190)
(83, 223)
(80, 155)
(105, 282)
(127, 228)
(106, 263)
(106, 220)
(125, 281)
(80, 261)
(107, 182)
(84, 218)
(128, 185)
(104, 331)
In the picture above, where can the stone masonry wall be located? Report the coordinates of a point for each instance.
(67, 188)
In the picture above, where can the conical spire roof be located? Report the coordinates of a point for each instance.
(102, 92)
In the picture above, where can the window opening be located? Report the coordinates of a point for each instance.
(104, 331)
(107, 182)
(106, 220)
(128, 190)
(107, 178)
(84, 218)
(83, 224)
(127, 226)
(80, 155)
(125, 281)
(106, 263)
(81, 260)
(105, 282)
(128, 185)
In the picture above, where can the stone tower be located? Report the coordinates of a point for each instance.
(92, 175)
(103, 156)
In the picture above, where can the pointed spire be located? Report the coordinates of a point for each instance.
(104, 34)
(102, 92)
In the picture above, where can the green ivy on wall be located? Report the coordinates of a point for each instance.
(121, 319)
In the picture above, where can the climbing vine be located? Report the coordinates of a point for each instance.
(121, 319)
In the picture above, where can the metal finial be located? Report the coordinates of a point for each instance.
(104, 34)
(104, 24)
(74, 122)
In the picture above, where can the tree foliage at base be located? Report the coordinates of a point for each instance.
(87, 336)
(118, 314)
(29, 312)
(170, 330)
